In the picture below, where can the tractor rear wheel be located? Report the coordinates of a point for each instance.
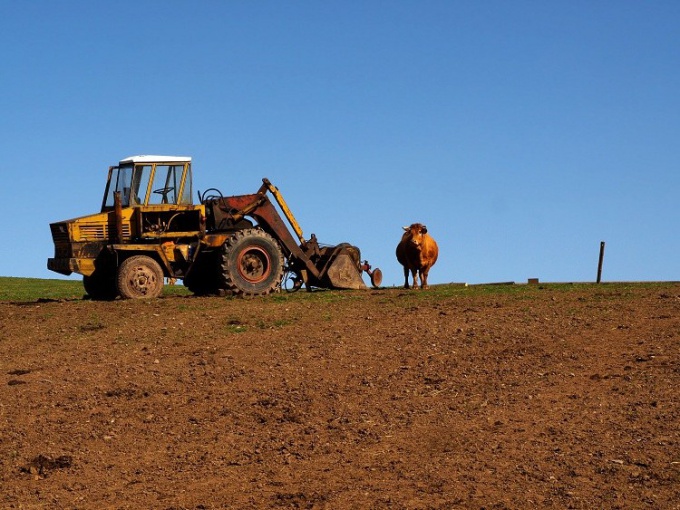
(251, 263)
(139, 277)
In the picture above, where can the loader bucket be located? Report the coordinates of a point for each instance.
(343, 270)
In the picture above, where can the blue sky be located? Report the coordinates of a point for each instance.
(522, 133)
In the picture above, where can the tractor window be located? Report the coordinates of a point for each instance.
(187, 192)
(131, 182)
(121, 180)
(166, 183)
(140, 183)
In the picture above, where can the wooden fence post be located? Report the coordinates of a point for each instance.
(599, 264)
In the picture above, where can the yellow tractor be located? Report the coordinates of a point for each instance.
(149, 229)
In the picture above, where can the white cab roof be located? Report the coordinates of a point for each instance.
(155, 159)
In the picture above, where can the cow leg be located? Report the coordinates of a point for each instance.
(405, 277)
(423, 278)
(414, 272)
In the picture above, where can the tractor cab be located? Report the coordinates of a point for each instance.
(155, 198)
(149, 181)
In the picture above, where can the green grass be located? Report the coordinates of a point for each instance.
(35, 289)
(32, 289)
(525, 289)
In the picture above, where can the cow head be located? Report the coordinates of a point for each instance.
(414, 233)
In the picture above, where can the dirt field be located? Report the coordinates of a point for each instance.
(485, 398)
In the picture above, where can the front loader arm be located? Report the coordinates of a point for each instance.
(284, 207)
(228, 211)
(337, 267)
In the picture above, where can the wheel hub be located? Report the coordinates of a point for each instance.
(143, 280)
(254, 264)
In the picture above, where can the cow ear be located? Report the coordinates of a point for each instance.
(423, 230)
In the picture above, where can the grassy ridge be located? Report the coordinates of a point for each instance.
(32, 289)
(35, 289)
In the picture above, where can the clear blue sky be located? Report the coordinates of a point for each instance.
(522, 133)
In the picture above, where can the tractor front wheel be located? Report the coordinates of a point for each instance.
(140, 277)
(252, 263)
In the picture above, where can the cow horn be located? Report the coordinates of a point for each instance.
(406, 228)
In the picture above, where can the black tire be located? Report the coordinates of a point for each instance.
(101, 285)
(202, 280)
(139, 277)
(251, 263)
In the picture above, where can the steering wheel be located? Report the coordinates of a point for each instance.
(163, 191)
(205, 196)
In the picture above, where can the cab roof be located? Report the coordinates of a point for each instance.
(155, 159)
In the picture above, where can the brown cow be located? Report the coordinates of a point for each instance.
(417, 252)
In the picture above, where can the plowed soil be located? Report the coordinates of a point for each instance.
(486, 398)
